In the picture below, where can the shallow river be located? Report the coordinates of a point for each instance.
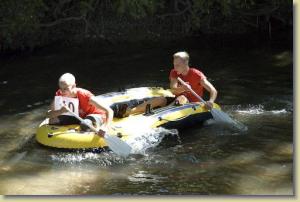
(255, 87)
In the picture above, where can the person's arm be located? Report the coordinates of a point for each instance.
(212, 92)
(52, 113)
(175, 89)
(104, 107)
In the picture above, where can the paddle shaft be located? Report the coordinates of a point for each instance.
(80, 119)
(190, 89)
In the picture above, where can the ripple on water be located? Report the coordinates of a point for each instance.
(103, 159)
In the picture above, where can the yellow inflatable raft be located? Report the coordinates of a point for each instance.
(71, 137)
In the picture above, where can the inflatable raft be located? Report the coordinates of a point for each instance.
(71, 137)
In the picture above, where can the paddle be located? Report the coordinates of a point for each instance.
(218, 115)
(114, 143)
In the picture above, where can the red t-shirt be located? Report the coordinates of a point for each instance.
(193, 78)
(85, 108)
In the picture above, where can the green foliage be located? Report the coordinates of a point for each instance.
(31, 23)
(230, 16)
(19, 22)
(86, 6)
(136, 8)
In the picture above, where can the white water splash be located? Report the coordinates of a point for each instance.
(252, 110)
(259, 109)
(282, 111)
(140, 141)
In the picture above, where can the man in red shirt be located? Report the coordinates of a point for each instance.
(192, 77)
(81, 102)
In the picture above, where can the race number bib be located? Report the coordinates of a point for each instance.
(72, 103)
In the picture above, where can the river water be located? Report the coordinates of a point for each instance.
(255, 87)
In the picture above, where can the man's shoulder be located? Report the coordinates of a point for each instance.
(83, 91)
(198, 73)
(194, 69)
(173, 73)
(58, 93)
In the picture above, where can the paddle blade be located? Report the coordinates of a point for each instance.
(117, 145)
(222, 117)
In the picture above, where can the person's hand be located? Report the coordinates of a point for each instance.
(101, 133)
(64, 109)
(209, 105)
(186, 86)
(180, 100)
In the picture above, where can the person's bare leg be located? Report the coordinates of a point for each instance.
(53, 121)
(155, 102)
(182, 100)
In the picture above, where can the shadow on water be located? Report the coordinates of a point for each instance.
(255, 87)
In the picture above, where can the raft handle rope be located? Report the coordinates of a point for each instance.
(179, 119)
